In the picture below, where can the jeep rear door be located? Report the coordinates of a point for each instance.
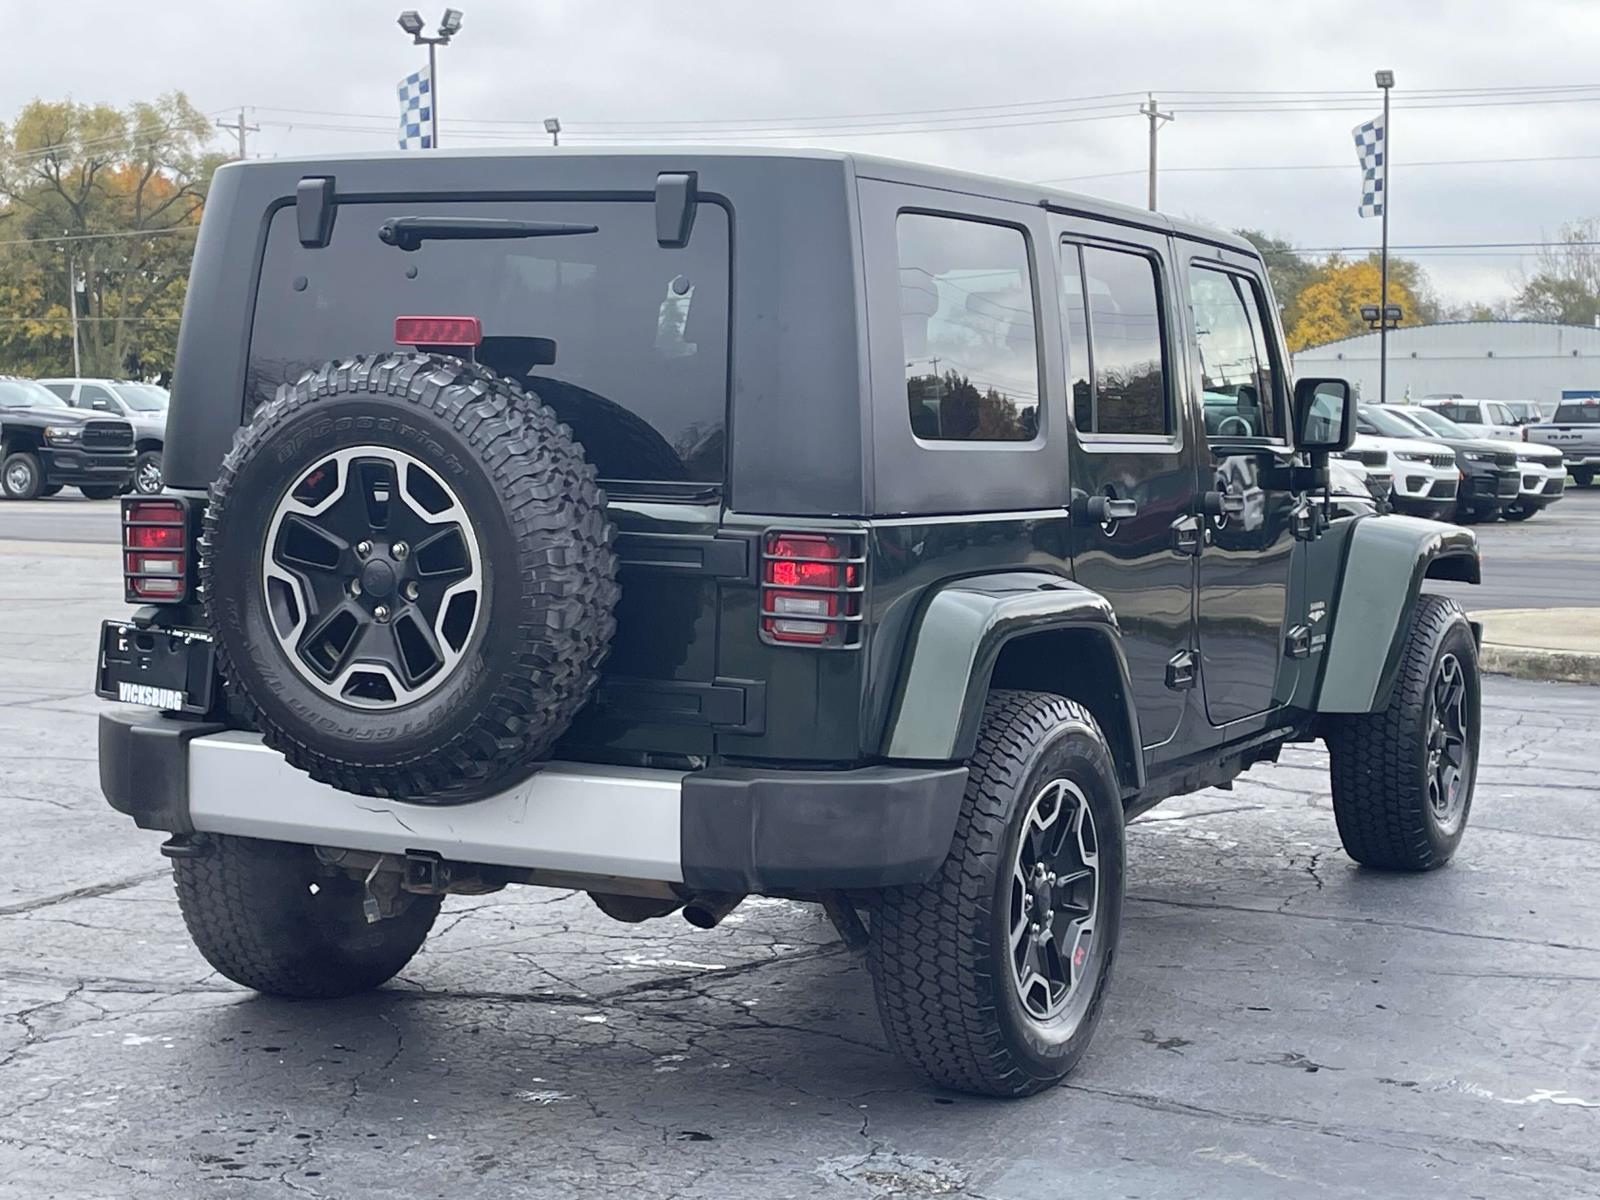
(625, 337)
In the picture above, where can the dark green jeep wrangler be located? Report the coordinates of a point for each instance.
(681, 527)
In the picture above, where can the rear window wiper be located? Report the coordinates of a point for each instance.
(408, 233)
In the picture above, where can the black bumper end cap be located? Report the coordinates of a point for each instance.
(769, 831)
(144, 766)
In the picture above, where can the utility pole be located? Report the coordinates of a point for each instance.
(72, 306)
(240, 128)
(1385, 81)
(1157, 120)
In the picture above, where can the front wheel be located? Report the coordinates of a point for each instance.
(268, 916)
(21, 476)
(1403, 776)
(990, 977)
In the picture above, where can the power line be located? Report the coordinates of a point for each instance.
(1437, 162)
(90, 237)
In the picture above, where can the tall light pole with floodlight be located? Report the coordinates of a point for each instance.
(1385, 82)
(552, 126)
(449, 26)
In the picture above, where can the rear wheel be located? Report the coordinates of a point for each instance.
(21, 476)
(1403, 776)
(990, 977)
(147, 473)
(270, 917)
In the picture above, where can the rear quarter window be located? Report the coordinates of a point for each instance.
(626, 340)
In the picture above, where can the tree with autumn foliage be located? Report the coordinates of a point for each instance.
(113, 196)
(1329, 306)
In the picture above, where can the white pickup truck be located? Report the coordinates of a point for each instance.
(1575, 431)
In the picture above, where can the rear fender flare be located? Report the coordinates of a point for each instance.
(960, 634)
(1385, 562)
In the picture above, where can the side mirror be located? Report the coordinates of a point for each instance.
(102, 405)
(1324, 415)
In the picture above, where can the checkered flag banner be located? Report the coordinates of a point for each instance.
(1372, 148)
(416, 111)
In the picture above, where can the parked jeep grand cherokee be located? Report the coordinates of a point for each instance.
(524, 525)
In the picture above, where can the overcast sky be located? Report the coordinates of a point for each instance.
(674, 68)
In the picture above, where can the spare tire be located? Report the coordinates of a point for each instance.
(407, 569)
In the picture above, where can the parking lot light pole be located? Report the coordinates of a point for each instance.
(552, 126)
(1385, 81)
(449, 26)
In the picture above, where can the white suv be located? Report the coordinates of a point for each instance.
(1426, 477)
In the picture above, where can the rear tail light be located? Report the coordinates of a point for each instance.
(156, 550)
(437, 332)
(811, 589)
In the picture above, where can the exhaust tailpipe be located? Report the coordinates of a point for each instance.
(705, 910)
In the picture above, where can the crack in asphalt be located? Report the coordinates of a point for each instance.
(83, 893)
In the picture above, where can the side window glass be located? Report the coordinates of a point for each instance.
(1126, 351)
(969, 329)
(1239, 391)
(1080, 372)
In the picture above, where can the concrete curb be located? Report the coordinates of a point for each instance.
(1550, 666)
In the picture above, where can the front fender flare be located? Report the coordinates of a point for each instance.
(959, 634)
(1385, 562)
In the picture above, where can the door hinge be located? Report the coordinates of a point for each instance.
(1180, 671)
(1306, 521)
(1298, 642)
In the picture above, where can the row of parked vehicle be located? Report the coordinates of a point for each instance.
(101, 436)
(1455, 458)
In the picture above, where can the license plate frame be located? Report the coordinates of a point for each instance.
(171, 670)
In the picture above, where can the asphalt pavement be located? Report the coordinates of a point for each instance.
(1281, 1022)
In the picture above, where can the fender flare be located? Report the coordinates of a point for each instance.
(959, 634)
(1385, 561)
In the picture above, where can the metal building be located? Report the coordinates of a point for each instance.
(1489, 360)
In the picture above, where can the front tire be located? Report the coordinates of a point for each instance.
(21, 476)
(990, 977)
(147, 479)
(1403, 776)
(267, 916)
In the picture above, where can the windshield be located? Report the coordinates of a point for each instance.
(1434, 423)
(141, 397)
(23, 393)
(1389, 424)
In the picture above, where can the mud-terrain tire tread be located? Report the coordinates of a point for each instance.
(554, 497)
(934, 982)
(238, 900)
(1377, 803)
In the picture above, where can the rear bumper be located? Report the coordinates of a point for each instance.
(74, 467)
(725, 829)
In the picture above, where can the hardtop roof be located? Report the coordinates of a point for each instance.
(863, 165)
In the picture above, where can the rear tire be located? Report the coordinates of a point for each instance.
(252, 914)
(943, 955)
(21, 476)
(147, 479)
(1397, 804)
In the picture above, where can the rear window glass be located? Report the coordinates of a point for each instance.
(1463, 413)
(970, 339)
(626, 340)
(1578, 414)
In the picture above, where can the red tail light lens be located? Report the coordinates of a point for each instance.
(437, 331)
(155, 543)
(811, 589)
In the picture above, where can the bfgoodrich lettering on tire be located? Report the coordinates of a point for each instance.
(991, 976)
(1403, 776)
(407, 567)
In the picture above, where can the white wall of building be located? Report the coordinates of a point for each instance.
(1491, 360)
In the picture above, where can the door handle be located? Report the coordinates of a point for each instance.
(1222, 504)
(1107, 510)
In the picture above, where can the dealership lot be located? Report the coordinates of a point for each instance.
(1280, 1020)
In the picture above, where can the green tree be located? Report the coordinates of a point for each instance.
(1565, 286)
(112, 197)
